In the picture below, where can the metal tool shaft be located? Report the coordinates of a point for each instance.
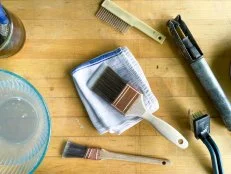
(213, 88)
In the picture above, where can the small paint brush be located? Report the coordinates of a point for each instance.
(73, 150)
(126, 99)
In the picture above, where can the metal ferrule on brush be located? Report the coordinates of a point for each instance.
(92, 153)
(193, 54)
(126, 98)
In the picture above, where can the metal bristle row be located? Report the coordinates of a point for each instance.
(113, 20)
(193, 117)
(197, 115)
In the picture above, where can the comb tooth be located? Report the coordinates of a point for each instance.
(121, 26)
(107, 17)
(118, 26)
(125, 27)
(112, 19)
(104, 14)
(101, 13)
(98, 13)
(116, 23)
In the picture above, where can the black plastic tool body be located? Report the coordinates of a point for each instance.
(201, 128)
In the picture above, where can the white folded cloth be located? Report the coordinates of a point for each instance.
(103, 116)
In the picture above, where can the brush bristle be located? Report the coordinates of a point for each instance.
(193, 117)
(112, 19)
(74, 150)
(200, 123)
(106, 83)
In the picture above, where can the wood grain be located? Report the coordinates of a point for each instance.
(61, 34)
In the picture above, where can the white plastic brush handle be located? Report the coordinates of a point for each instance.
(166, 130)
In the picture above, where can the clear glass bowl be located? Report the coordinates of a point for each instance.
(24, 125)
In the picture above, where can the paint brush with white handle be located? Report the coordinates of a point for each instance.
(73, 150)
(123, 97)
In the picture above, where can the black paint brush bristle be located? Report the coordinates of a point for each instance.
(74, 150)
(106, 83)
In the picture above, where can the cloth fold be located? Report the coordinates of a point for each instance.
(103, 116)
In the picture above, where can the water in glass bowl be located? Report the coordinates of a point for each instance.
(18, 120)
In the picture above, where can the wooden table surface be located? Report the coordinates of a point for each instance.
(61, 34)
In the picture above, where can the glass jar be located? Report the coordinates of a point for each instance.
(15, 38)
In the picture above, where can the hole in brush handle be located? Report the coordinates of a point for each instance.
(180, 141)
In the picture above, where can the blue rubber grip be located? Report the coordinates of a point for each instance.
(214, 90)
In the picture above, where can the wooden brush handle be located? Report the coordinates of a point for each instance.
(166, 130)
(132, 158)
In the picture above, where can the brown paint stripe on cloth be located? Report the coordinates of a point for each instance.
(126, 98)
